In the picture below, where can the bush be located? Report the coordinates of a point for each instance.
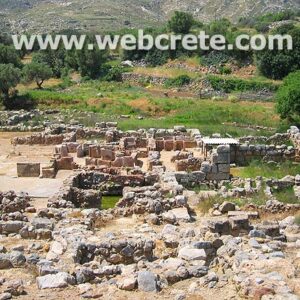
(114, 74)
(156, 57)
(181, 22)
(277, 64)
(178, 81)
(224, 70)
(231, 84)
(214, 58)
(288, 97)
(233, 99)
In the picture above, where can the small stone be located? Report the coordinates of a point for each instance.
(225, 207)
(128, 284)
(17, 258)
(18, 248)
(147, 281)
(254, 243)
(5, 296)
(257, 234)
(5, 262)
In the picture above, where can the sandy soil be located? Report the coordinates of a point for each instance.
(9, 157)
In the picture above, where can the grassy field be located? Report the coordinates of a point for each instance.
(259, 168)
(111, 100)
(259, 198)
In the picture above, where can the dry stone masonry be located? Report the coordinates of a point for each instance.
(183, 226)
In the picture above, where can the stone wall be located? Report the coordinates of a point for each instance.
(242, 154)
(44, 139)
(139, 78)
(215, 168)
(84, 189)
(171, 143)
(294, 134)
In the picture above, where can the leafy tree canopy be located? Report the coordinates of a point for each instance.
(37, 72)
(288, 97)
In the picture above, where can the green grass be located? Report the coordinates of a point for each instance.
(286, 196)
(259, 198)
(259, 168)
(109, 201)
(111, 100)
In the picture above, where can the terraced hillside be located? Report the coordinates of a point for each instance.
(48, 15)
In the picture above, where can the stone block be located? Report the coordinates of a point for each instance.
(65, 163)
(28, 169)
(168, 145)
(224, 168)
(48, 172)
(95, 151)
(107, 154)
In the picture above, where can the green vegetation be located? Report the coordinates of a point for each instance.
(229, 85)
(9, 78)
(178, 81)
(36, 72)
(91, 81)
(181, 22)
(259, 198)
(259, 168)
(109, 201)
(8, 55)
(277, 64)
(262, 23)
(114, 99)
(286, 196)
(288, 97)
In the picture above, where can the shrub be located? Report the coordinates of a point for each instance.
(214, 58)
(277, 64)
(233, 99)
(178, 81)
(114, 74)
(224, 70)
(288, 97)
(232, 84)
(181, 22)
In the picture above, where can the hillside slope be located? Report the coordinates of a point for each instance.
(52, 15)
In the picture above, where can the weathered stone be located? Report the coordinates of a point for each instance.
(225, 207)
(59, 280)
(189, 254)
(128, 284)
(181, 214)
(5, 262)
(42, 223)
(147, 281)
(28, 169)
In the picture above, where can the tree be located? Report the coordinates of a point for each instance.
(277, 64)
(90, 62)
(219, 27)
(288, 97)
(9, 78)
(181, 22)
(8, 55)
(54, 59)
(37, 72)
